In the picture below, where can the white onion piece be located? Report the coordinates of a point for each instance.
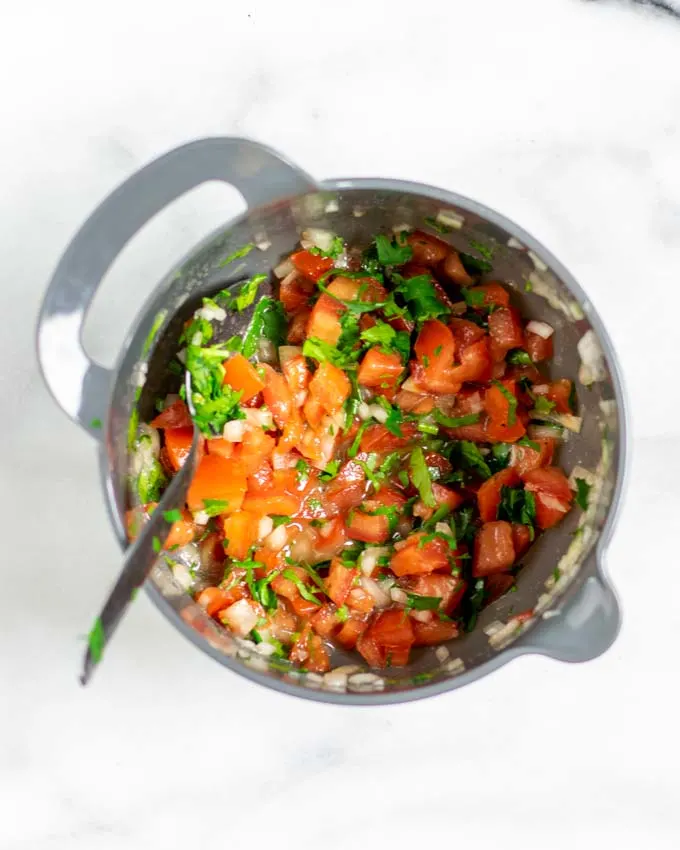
(263, 244)
(545, 432)
(201, 518)
(259, 418)
(285, 460)
(284, 269)
(277, 539)
(541, 389)
(441, 654)
(183, 576)
(422, 616)
(302, 548)
(288, 352)
(300, 398)
(379, 413)
(234, 431)
(326, 530)
(322, 239)
(398, 595)
(402, 228)
(266, 351)
(538, 262)
(182, 356)
(450, 218)
(581, 472)
(552, 502)
(380, 597)
(154, 447)
(566, 420)
(219, 314)
(265, 527)
(592, 359)
(542, 329)
(364, 411)
(368, 559)
(241, 617)
(443, 528)
(332, 206)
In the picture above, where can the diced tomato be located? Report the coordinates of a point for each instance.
(433, 632)
(277, 395)
(474, 433)
(214, 599)
(181, 532)
(498, 584)
(220, 446)
(309, 650)
(465, 332)
(261, 480)
(330, 386)
(539, 348)
(489, 494)
(376, 438)
(218, 479)
(313, 412)
(340, 581)
(453, 268)
(494, 293)
(414, 559)
(560, 393)
(324, 320)
(379, 369)
(494, 549)
(137, 517)
(553, 494)
(255, 448)
(448, 588)
(435, 345)
(178, 445)
(346, 490)
(444, 381)
(295, 292)
(318, 447)
(297, 327)
(310, 265)
(241, 375)
(325, 621)
(521, 538)
(498, 406)
(359, 601)
(427, 249)
(443, 496)
(505, 329)
(437, 464)
(350, 631)
(388, 640)
(370, 528)
(176, 415)
(241, 531)
(523, 458)
(330, 539)
(297, 373)
(412, 402)
(475, 363)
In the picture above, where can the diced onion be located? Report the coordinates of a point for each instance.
(515, 243)
(182, 356)
(154, 446)
(441, 654)
(592, 360)
(450, 218)
(538, 262)
(401, 228)
(332, 206)
(368, 559)
(442, 528)
(301, 549)
(209, 313)
(542, 329)
(326, 530)
(201, 518)
(398, 595)
(266, 350)
(265, 527)
(240, 617)
(581, 472)
(541, 389)
(277, 539)
(259, 417)
(284, 269)
(182, 575)
(285, 460)
(322, 239)
(300, 398)
(552, 502)
(422, 616)
(545, 432)
(379, 413)
(264, 244)
(288, 352)
(364, 411)
(566, 420)
(380, 597)
(234, 431)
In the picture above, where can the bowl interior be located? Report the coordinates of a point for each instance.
(560, 560)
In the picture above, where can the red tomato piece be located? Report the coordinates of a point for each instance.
(297, 374)
(324, 320)
(553, 494)
(379, 369)
(539, 348)
(214, 599)
(241, 531)
(340, 581)
(277, 396)
(433, 632)
(217, 479)
(370, 528)
(521, 538)
(560, 393)
(505, 329)
(498, 406)
(330, 539)
(525, 458)
(412, 559)
(241, 375)
(178, 445)
(427, 250)
(330, 386)
(350, 631)
(325, 621)
(465, 332)
(489, 494)
(494, 293)
(175, 415)
(376, 438)
(310, 265)
(255, 448)
(295, 292)
(497, 584)
(346, 490)
(453, 268)
(181, 532)
(475, 363)
(297, 327)
(436, 343)
(449, 589)
(494, 549)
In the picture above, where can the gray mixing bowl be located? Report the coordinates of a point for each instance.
(566, 606)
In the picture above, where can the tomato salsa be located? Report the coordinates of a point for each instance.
(378, 450)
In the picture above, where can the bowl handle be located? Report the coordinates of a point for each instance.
(585, 628)
(79, 385)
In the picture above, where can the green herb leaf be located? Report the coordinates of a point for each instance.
(280, 520)
(150, 482)
(331, 470)
(96, 640)
(475, 604)
(238, 254)
(303, 590)
(380, 334)
(543, 405)
(213, 507)
(530, 444)
(518, 357)
(321, 351)
(472, 458)
(473, 298)
(172, 516)
(337, 247)
(455, 421)
(354, 448)
(96, 423)
(157, 545)
(420, 475)
(391, 253)
(302, 468)
(436, 225)
(268, 322)
(421, 295)
(343, 613)
(582, 493)
(423, 603)
(517, 505)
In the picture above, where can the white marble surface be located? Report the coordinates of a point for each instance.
(565, 115)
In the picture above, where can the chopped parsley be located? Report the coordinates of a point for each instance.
(436, 225)
(473, 297)
(150, 482)
(96, 640)
(582, 493)
(336, 248)
(420, 475)
(96, 423)
(303, 590)
(281, 520)
(268, 322)
(543, 405)
(391, 252)
(238, 254)
(475, 604)
(213, 507)
(321, 351)
(422, 603)
(331, 470)
(519, 357)
(157, 545)
(517, 505)
(530, 444)
(172, 516)
(455, 421)
(215, 402)
(472, 458)
(421, 296)
(302, 468)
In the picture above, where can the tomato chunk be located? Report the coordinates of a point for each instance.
(489, 494)
(311, 265)
(370, 528)
(295, 292)
(277, 396)
(346, 490)
(494, 549)
(524, 458)
(388, 640)
(175, 415)
(504, 424)
(553, 494)
(493, 293)
(379, 369)
(330, 386)
(324, 320)
(412, 558)
(178, 445)
(220, 480)
(427, 249)
(340, 581)
(433, 632)
(505, 329)
(241, 375)
(449, 589)
(241, 531)
(539, 348)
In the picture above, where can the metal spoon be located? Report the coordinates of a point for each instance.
(142, 554)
